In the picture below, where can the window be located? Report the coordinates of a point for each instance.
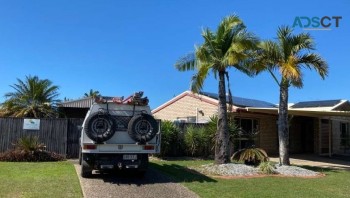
(249, 129)
(345, 137)
(247, 126)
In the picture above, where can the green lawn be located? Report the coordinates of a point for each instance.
(336, 183)
(42, 179)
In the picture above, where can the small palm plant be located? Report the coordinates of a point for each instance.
(30, 144)
(268, 168)
(250, 156)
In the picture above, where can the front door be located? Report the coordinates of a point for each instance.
(307, 135)
(325, 136)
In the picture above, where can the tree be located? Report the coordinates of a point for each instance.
(288, 55)
(92, 94)
(221, 50)
(32, 98)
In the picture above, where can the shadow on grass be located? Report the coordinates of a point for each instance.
(320, 169)
(181, 173)
(184, 158)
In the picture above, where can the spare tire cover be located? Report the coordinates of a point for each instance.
(142, 128)
(99, 127)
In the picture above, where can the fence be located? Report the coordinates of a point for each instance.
(60, 135)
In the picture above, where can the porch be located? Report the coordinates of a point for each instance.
(325, 133)
(342, 163)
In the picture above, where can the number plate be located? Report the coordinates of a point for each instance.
(129, 157)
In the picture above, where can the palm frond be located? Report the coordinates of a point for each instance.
(298, 82)
(32, 98)
(198, 78)
(211, 44)
(302, 41)
(314, 61)
(290, 69)
(186, 63)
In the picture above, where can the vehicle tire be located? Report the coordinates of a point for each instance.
(80, 156)
(144, 162)
(99, 127)
(142, 128)
(143, 165)
(86, 170)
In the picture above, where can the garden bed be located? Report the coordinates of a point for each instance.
(232, 170)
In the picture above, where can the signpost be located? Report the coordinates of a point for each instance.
(31, 124)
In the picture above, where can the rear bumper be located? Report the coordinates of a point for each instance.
(107, 161)
(120, 148)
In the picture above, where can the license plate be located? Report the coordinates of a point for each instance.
(130, 157)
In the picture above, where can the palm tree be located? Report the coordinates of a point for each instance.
(221, 50)
(32, 98)
(92, 94)
(288, 55)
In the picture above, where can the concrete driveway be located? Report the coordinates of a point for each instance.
(153, 185)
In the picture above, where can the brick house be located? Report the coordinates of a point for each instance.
(320, 127)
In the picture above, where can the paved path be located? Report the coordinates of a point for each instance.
(153, 185)
(314, 160)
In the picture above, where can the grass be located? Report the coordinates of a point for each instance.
(39, 179)
(334, 184)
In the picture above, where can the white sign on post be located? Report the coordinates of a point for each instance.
(31, 124)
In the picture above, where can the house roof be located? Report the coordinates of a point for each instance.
(297, 112)
(80, 103)
(203, 98)
(322, 105)
(212, 99)
(308, 108)
(241, 102)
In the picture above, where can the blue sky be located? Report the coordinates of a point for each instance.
(119, 47)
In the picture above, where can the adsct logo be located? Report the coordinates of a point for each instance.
(317, 23)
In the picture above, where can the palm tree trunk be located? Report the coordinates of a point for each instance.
(222, 138)
(283, 128)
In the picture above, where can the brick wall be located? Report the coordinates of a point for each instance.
(185, 107)
(267, 138)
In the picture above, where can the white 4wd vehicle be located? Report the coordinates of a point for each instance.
(118, 134)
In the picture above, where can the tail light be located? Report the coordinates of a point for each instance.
(148, 147)
(89, 147)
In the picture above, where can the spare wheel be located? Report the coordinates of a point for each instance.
(99, 127)
(142, 128)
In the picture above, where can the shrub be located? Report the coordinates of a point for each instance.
(30, 144)
(172, 140)
(16, 155)
(233, 129)
(191, 140)
(211, 130)
(267, 167)
(29, 149)
(250, 156)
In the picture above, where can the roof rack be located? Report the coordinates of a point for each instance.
(134, 99)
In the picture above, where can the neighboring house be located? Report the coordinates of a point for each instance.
(75, 108)
(78, 108)
(320, 127)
